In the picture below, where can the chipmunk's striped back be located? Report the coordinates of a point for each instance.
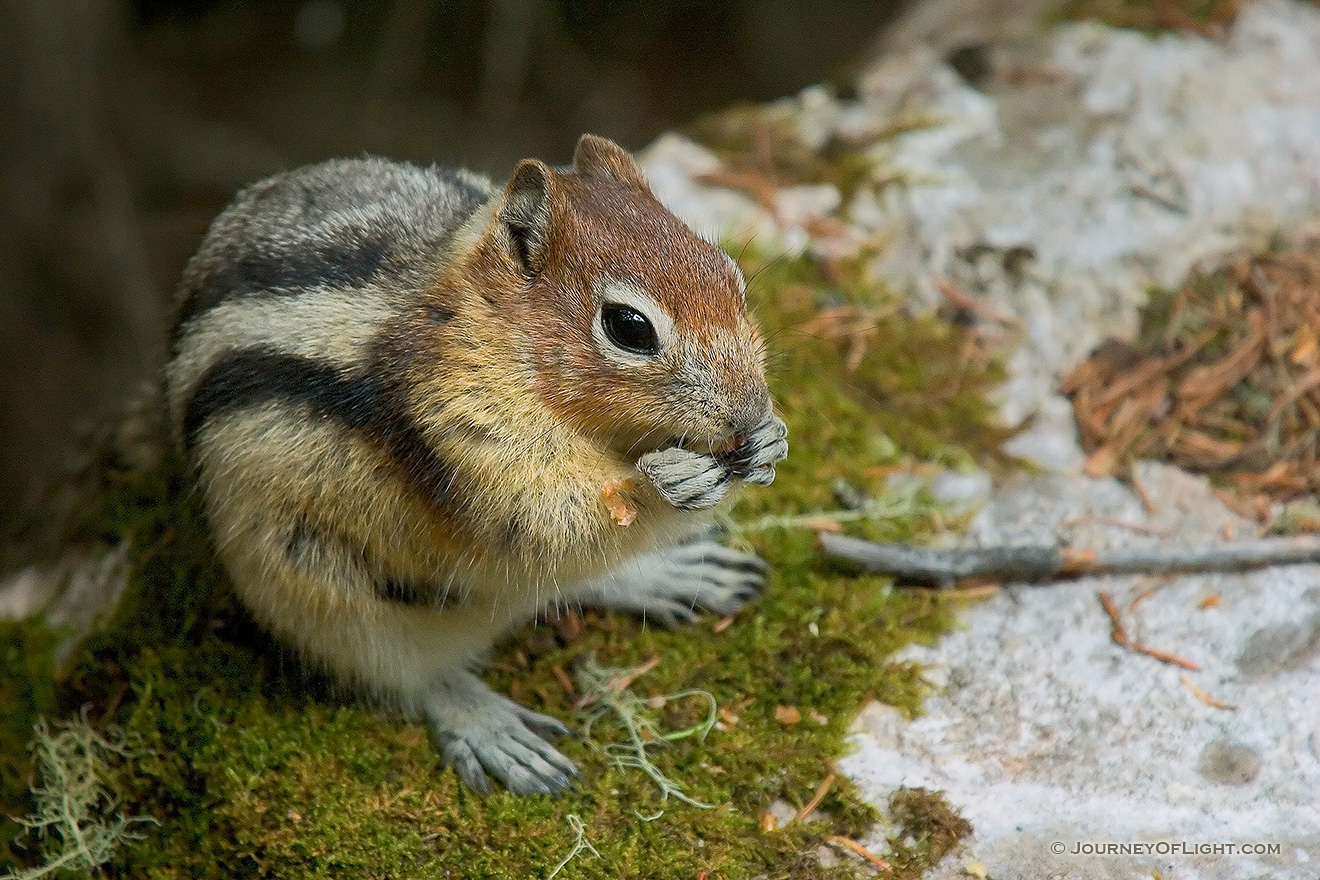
(296, 278)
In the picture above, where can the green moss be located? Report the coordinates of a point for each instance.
(27, 691)
(255, 767)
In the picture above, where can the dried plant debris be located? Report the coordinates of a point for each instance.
(926, 829)
(1224, 380)
(1208, 18)
(763, 148)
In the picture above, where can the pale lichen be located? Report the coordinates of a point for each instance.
(76, 822)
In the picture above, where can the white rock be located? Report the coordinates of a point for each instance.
(1048, 731)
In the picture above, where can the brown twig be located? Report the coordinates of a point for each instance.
(1164, 656)
(1119, 634)
(1147, 503)
(617, 684)
(623, 682)
(565, 682)
(960, 299)
(810, 806)
(1204, 697)
(862, 851)
(1036, 564)
(1116, 631)
(1151, 586)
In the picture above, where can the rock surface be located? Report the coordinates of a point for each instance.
(1046, 732)
(1088, 164)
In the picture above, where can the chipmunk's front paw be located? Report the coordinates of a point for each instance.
(765, 447)
(481, 733)
(673, 584)
(687, 480)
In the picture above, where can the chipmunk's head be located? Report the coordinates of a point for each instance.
(639, 328)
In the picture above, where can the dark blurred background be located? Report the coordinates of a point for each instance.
(128, 125)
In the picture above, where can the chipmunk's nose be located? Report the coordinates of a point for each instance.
(751, 408)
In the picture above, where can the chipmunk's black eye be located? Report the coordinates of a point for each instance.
(629, 329)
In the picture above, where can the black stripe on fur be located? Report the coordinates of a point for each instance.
(362, 403)
(263, 268)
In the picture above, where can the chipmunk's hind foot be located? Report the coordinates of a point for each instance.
(484, 735)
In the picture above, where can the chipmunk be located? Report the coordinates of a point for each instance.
(421, 409)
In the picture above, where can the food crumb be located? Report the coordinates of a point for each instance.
(614, 496)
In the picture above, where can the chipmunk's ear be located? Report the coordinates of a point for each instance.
(524, 214)
(603, 159)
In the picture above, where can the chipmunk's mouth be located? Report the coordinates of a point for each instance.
(717, 446)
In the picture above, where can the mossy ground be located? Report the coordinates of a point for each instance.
(255, 767)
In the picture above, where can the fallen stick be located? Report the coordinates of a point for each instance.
(1035, 564)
